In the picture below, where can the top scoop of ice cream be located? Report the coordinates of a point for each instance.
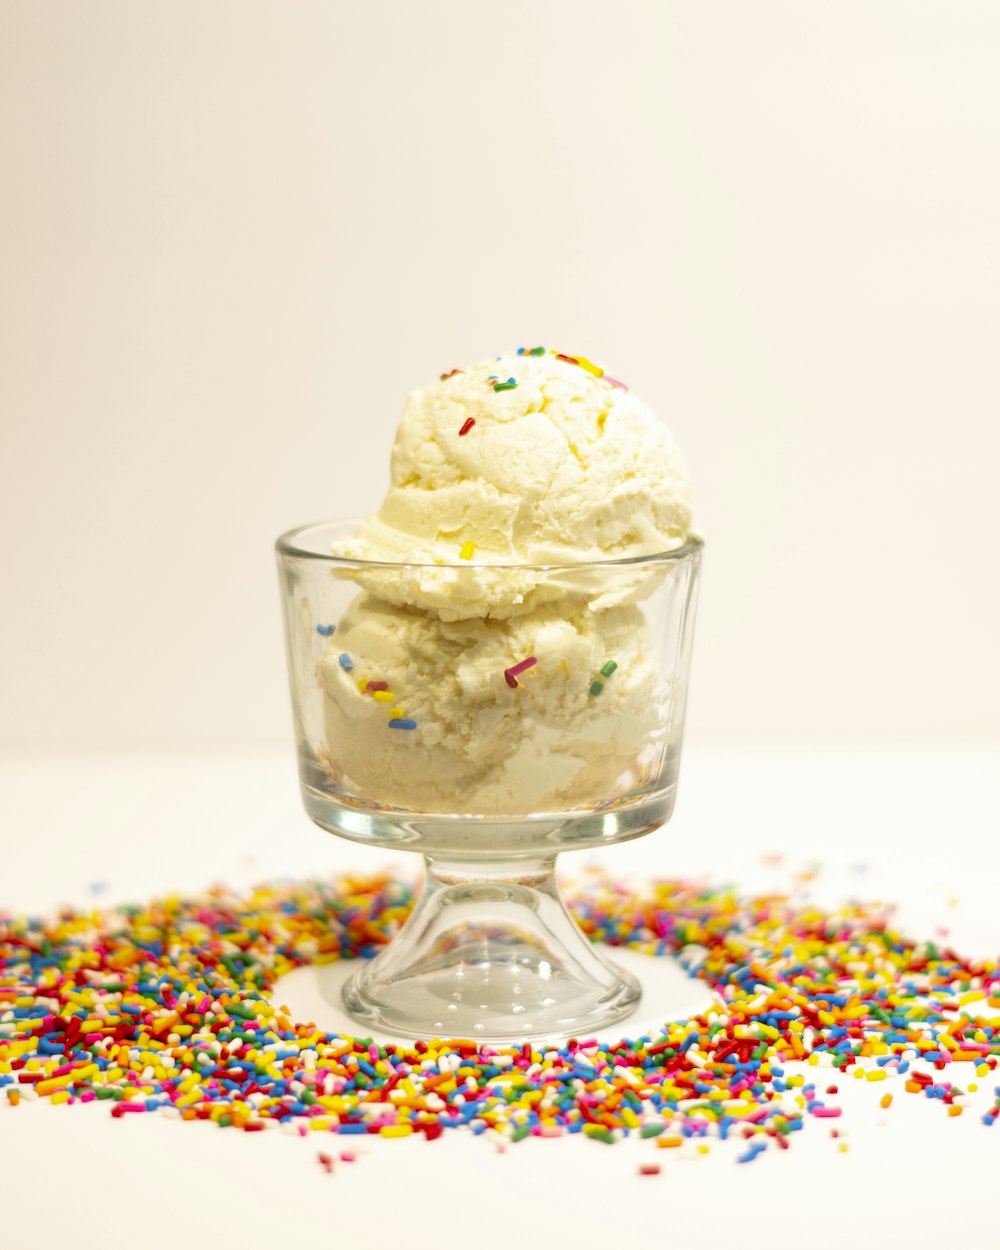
(527, 460)
(560, 467)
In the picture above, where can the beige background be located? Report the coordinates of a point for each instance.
(232, 235)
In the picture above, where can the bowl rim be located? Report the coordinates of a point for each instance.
(287, 546)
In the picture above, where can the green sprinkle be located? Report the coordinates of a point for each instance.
(596, 687)
(609, 668)
(597, 1132)
(651, 1130)
(537, 351)
(224, 1121)
(760, 1052)
(505, 386)
(519, 1134)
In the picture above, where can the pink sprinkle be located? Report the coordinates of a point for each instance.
(88, 1095)
(826, 1113)
(346, 1156)
(511, 674)
(614, 382)
(373, 1053)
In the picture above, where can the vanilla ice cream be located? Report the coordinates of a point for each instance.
(467, 679)
(523, 459)
(422, 711)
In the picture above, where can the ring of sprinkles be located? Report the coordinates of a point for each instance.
(163, 1008)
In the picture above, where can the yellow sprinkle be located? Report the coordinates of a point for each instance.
(467, 552)
(973, 1087)
(954, 1109)
(703, 1149)
(842, 1147)
(397, 713)
(395, 1130)
(383, 696)
(669, 1143)
(363, 685)
(589, 365)
(876, 1074)
(61, 1095)
(886, 1101)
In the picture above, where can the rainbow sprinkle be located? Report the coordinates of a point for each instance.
(510, 675)
(164, 1007)
(596, 686)
(531, 351)
(467, 425)
(591, 368)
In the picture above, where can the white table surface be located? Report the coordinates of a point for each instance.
(917, 825)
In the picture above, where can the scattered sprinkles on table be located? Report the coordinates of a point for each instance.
(163, 1007)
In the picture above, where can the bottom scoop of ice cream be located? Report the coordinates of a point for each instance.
(446, 717)
(529, 460)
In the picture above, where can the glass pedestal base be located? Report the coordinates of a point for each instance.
(490, 954)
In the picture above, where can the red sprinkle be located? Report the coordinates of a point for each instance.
(649, 1169)
(326, 1161)
(469, 423)
(377, 685)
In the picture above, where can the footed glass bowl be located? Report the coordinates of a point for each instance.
(487, 716)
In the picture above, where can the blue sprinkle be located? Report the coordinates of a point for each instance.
(352, 1128)
(346, 663)
(399, 723)
(325, 630)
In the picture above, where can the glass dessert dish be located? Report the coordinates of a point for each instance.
(487, 716)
